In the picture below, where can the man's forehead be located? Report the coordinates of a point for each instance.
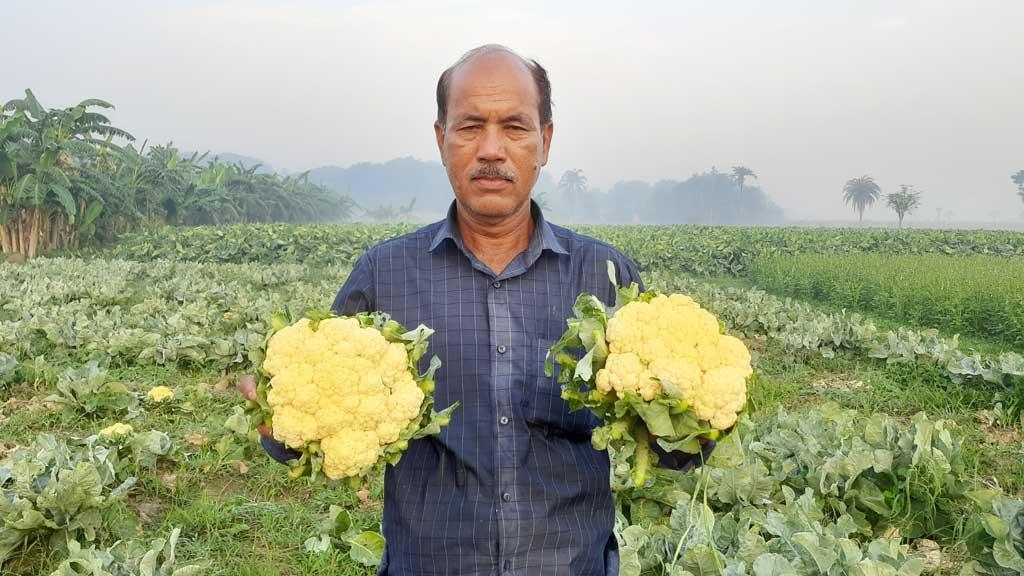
(493, 81)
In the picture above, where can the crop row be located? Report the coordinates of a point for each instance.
(822, 491)
(162, 313)
(701, 250)
(801, 327)
(978, 295)
(214, 315)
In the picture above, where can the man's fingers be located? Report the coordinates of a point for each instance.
(247, 386)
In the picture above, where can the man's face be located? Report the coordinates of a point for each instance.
(492, 144)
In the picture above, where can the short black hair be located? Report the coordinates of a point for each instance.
(540, 78)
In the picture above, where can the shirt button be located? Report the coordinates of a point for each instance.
(497, 284)
(503, 420)
(506, 497)
(501, 348)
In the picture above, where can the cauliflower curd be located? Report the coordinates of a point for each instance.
(116, 431)
(342, 385)
(160, 394)
(670, 337)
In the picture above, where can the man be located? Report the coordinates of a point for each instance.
(512, 485)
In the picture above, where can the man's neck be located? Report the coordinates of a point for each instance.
(496, 242)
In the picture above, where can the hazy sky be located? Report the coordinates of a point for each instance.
(807, 93)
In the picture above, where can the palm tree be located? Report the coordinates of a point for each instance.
(739, 176)
(1018, 179)
(542, 200)
(904, 202)
(861, 193)
(389, 213)
(573, 186)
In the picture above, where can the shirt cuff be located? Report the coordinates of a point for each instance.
(278, 451)
(681, 461)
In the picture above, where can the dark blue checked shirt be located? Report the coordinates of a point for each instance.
(512, 485)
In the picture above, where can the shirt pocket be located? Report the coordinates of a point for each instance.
(543, 406)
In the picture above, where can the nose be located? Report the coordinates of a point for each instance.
(491, 145)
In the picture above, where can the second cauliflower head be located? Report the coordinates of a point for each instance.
(342, 385)
(160, 394)
(670, 337)
(116, 431)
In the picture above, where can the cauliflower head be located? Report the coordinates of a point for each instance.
(116, 431)
(670, 337)
(160, 394)
(342, 385)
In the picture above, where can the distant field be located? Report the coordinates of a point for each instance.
(701, 250)
(979, 295)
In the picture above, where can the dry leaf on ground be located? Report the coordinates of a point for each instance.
(838, 382)
(196, 439)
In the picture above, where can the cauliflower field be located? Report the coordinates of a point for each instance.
(867, 446)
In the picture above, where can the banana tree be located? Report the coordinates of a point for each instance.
(11, 131)
(50, 200)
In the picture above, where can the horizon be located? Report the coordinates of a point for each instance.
(806, 95)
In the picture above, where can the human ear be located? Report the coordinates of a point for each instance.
(440, 135)
(546, 134)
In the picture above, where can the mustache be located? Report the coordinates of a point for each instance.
(489, 171)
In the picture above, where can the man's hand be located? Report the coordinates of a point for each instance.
(247, 386)
(682, 461)
(277, 450)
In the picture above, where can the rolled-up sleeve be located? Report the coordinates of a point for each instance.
(278, 451)
(628, 273)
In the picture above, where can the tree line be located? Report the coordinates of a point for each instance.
(711, 197)
(67, 176)
(419, 190)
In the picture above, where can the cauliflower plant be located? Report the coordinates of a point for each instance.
(346, 391)
(116, 431)
(654, 367)
(160, 394)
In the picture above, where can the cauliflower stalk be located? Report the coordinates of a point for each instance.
(653, 367)
(346, 392)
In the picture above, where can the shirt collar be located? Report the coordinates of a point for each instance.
(543, 238)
